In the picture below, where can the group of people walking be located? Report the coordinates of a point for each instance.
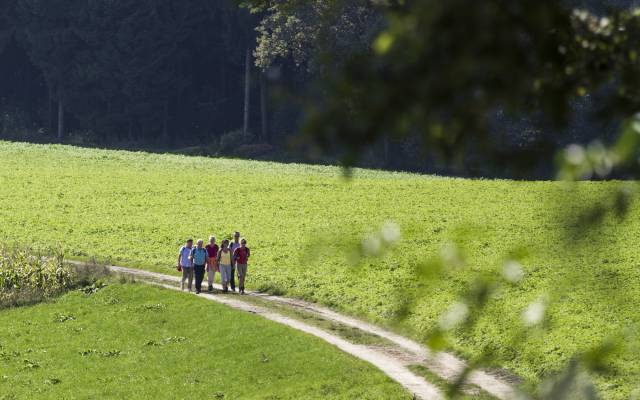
(229, 259)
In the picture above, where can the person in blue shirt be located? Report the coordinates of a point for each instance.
(185, 265)
(200, 258)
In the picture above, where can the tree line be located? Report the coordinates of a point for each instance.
(158, 71)
(171, 74)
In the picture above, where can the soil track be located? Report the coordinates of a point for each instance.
(393, 358)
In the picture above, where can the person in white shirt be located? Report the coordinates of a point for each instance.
(185, 263)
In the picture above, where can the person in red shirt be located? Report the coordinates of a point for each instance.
(241, 258)
(212, 265)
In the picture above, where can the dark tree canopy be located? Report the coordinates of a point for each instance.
(442, 69)
(159, 71)
(456, 86)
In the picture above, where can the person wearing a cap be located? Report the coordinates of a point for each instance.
(185, 263)
(233, 246)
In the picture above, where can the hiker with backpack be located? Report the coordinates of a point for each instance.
(225, 261)
(241, 258)
(212, 265)
(233, 246)
(199, 257)
(185, 263)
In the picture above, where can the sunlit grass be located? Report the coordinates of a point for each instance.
(134, 341)
(136, 208)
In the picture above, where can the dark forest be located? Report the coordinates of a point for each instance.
(233, 79)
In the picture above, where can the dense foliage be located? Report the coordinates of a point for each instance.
(488, 88)
(164, 72)
(455, 73)
(27, 276)
(313, 34)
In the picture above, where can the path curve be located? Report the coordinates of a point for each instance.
(391, 367)
(445, 365)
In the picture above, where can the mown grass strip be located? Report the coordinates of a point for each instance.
(186, 348)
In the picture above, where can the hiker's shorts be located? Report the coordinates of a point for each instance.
(225, 273)
(242, 270)
(187, 273)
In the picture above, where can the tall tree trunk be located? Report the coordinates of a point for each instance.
(104, 131)
(224, 104)
(50, 111)
(130, 130)
(60, 120)
(247, 91)
(225, 87)
(386, 150)
(165, 124)
(264, 109)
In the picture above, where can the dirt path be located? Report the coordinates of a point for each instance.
(393, 358)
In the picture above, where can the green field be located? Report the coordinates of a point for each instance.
(136, 208)
(134, 341)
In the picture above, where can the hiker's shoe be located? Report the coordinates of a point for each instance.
(197, 292)
(210, 288)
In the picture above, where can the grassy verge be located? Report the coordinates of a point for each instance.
(136, 208)
(463, 393)
(135, 341)
(349, 333)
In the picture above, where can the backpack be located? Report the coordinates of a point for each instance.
(196, 256)
(182, 249)
(246, 251)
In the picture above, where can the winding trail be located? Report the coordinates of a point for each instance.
(393, 359)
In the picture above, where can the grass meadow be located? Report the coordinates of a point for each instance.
(130, 341)
(302, 223)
